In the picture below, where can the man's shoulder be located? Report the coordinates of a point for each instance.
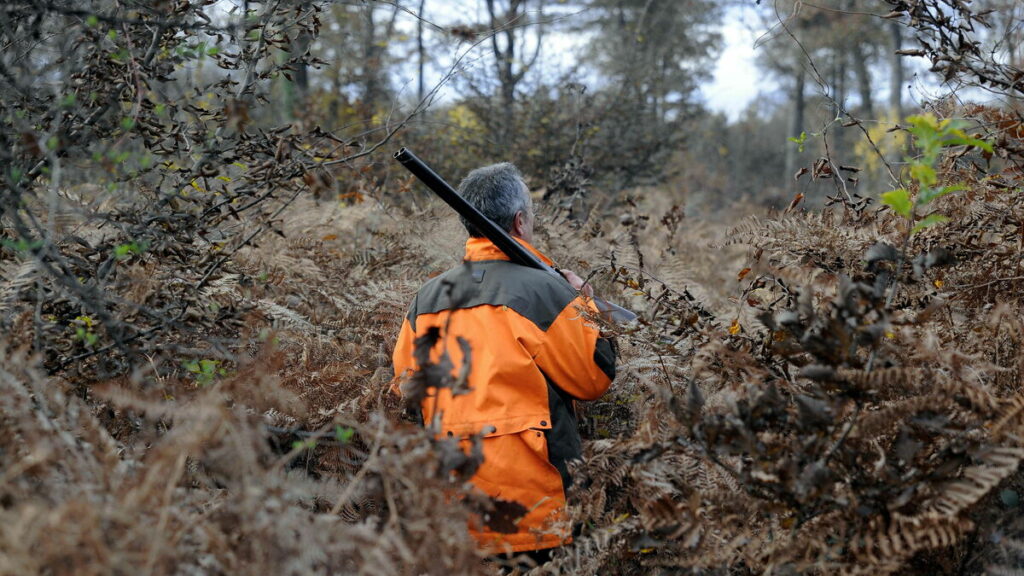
(535, 294)
(514, 278)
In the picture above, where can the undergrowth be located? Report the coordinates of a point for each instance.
(773, 413)
(194, 374)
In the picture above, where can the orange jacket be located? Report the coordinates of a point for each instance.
(532, 354)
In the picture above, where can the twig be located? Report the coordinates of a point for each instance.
(847, 428)
(989, 283)
(353, 484)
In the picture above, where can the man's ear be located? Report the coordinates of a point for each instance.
(518, 224)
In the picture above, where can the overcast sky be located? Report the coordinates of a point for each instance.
(737, 79)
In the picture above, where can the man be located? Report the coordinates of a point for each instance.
(532, 354)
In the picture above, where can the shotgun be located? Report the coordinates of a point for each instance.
(502, 239)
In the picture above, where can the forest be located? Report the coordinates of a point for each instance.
(207, 251)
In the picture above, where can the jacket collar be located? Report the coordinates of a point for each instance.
(479, 249)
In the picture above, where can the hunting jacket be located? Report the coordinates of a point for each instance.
(532, 354)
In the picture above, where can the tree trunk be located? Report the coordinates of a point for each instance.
(371, 67)
(375, 45)
(504, 58)
(860, 69)
(895, 72)
(301, 73)
(796, 124)
(300, 76)
(420, 51)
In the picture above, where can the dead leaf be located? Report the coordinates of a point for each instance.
(734, 329)
(822, 169)
(795, 202)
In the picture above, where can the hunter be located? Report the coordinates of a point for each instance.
(533, 354)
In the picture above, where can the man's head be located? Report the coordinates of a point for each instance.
(498, 191)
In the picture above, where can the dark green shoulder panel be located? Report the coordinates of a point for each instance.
(533, 294)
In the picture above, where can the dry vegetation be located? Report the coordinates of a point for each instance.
(788, 421)
(186, 392)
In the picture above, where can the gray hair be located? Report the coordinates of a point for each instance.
(498, 192)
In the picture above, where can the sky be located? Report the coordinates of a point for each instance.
(737, 80)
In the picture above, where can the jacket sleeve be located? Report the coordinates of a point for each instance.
(402, 359)
(574, 356)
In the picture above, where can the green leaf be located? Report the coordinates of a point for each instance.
(926, 121)
(21, 245)
(968, 141)
(924, 128)
(308, 444)
(123, 251)
(899, 201)
(924, 174)
(799, 141)
(947, 189)
(205, 370)
(344, 435)
(69, 100)
(929, 220)
(92, 21)
(127, 123)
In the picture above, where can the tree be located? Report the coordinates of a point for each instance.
(421, 52)
(514, 32)
(295, 81)
(653, 55)
(376, 36)
(895, 71)
(833, 45)
(355, 43)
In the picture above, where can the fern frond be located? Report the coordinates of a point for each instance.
(14, 282)
(283, 317)
(885, 545)
(976, 481)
